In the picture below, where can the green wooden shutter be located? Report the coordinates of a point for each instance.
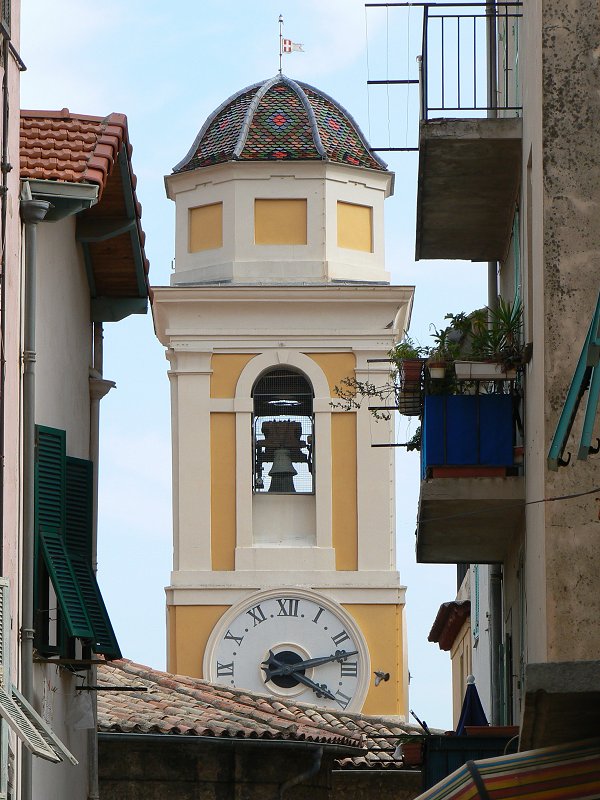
(79, 545)
(65, 584)
(50, 523)
(50, 478)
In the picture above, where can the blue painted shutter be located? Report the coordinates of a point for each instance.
(79, 546)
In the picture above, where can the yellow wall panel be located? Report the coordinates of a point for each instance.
(461, 657)
(280, 221)
(383, 629)
(343, 491)
(355, 226)
(226, 370)
(189, 629)
(335, 366)
(222, 491)
(205, 227)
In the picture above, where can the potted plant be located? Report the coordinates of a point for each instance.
(494, 343)
(410, 748)
(408, 357)
(444, 351)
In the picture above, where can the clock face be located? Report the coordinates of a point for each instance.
(292, 644)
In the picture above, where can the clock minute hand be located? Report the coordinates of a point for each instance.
(289, 669)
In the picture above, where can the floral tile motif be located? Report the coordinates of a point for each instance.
(279, 120)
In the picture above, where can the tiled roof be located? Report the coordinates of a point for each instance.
(449, 620)
(61, 146)
(175, 705)
(280, 120)
(64, 147)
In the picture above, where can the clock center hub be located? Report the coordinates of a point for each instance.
(287, 680)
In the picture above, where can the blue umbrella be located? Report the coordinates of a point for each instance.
(472, 712)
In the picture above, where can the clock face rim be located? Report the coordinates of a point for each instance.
(338, 611)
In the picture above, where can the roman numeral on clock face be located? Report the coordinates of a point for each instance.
(224, 669)
(342, 698)
(236, 639)
(349, 669)
(288, 608)
(257, 615)
(340, 637)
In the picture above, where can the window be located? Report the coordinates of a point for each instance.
(282, 432)
(32, 730)
(355, 227)
(280, 221)
(68, 602)
(205, 227)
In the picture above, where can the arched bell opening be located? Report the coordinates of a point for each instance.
(283, 433)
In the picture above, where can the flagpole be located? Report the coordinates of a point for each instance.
(280, 41)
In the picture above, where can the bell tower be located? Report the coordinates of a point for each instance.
(284, 578)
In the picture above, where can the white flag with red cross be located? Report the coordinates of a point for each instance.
(291, 47)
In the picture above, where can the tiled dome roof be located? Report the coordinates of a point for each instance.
(280, 120)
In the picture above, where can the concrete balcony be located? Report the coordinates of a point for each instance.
(471, 500)
(468, 184)
(468, 519)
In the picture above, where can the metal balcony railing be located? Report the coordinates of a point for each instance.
(469, 61)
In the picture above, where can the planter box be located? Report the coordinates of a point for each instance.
(444, 754)
(467, 431)
(482, 371)
(410, 402)
(411, 370)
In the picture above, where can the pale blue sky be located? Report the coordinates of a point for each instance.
(167, 66)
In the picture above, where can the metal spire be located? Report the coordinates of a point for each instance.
(280, 41)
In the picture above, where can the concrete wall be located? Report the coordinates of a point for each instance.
(571, 266)
(200, 771)
(560, 248)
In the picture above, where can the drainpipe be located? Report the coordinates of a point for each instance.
(5, 168)
(495, 572)
(98, 389)
(32, 212)
(303, 776)
(495, 598)
(492, 113)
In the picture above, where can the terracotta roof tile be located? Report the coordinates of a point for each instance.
(176, 704)
(58, 145)
(76, 148)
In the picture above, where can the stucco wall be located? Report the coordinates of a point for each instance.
(571, 269)
(64, 336)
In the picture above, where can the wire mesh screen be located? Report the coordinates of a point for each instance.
(282, 432)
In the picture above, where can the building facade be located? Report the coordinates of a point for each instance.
(284, 560)
(72, 259)
(518, 188)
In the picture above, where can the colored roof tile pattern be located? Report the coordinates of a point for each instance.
(280, 128)
(176, 705)
(280, 120)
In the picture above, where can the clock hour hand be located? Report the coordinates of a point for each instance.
(275, 667)
(320, 690)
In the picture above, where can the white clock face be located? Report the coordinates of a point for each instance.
(292, 644)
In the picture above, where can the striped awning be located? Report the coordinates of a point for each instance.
(563, 772)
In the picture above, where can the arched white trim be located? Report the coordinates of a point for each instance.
(288, 358)
(247, 555)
